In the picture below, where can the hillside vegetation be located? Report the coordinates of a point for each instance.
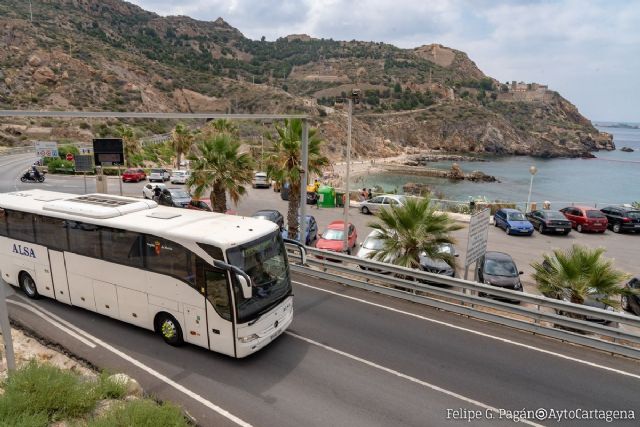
(111, 55)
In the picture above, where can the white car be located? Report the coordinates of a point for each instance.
(260, 180)
(180, 177)
(371, 245)
(158, 174)
(148, 190)
(378, 202)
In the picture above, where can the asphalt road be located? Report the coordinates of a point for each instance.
(351, 357)
(346, 362)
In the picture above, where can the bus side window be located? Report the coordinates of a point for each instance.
(3, 223)
(166, 257)
(51, 232)
(84, 238)
(20, 226)
(121, 246)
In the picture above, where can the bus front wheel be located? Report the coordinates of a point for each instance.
(28, 285)
(169, 329)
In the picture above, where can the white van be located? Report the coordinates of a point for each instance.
(260, 180)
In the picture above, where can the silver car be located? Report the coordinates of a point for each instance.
(386, 200)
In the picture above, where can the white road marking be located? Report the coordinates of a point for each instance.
(403, 376)
(52, 322)
(145, 368)
(482, 334)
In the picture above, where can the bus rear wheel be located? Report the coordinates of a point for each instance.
(28, 285)
(169, 329)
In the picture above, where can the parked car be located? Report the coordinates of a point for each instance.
(176, 197)
(148, 190)
(584, 218)
(632, 303)
(513, 222)
(498, 269)
(331, 239)
(311, 231)
(180, 177)
(200, 205)
(439, 266)
(260, 180)
(270, 215)
(622, 218)
(134, 175)
(158, 174)
(387, 200)
(371, 244)
(548, 221)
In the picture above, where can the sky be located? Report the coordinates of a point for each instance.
(588, 50)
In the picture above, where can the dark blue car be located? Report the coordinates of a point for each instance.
(311, 230)
(513, 222)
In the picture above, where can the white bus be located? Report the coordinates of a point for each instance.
(218, 281)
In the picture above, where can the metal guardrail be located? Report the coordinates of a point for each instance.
(532, 313)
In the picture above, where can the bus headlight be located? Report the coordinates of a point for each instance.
(248, 338)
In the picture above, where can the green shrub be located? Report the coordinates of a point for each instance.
(59, 166)
(63, 150)
(38, 394)
(107, 388)
(141, 413)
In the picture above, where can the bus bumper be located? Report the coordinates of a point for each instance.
(267, 329)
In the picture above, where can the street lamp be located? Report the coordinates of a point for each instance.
(532, 170)
(354, 98)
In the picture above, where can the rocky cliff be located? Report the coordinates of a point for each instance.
(111, 55)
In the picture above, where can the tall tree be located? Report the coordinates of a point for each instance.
(131, 144)
(579, 273)
(181, 141)
(220, 167)
(411, 230)
(284, 163)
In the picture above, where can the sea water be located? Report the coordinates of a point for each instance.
(611, 178)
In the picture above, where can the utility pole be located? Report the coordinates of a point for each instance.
(5, 327)
(345, 237)
(30, 11)
(262, 151)
(304, 174)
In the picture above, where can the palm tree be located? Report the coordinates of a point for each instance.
(181, 141)
(412, 230)
(224, 126)
(220, 168)
(284, 163)
(130, 142)
(577, 274)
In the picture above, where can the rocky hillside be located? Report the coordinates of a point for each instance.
(111, 55)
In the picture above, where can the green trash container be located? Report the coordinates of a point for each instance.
(326, 197)
(339, 199)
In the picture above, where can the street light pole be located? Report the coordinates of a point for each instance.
(345, 237)
(532, 170)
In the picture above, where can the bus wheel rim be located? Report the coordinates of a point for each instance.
(168, 329)
(29, 285)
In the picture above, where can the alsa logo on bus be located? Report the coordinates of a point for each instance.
(24, 250)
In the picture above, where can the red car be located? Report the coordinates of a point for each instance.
(331, 240)
(585, 218)
(200, 205)
(134, 175)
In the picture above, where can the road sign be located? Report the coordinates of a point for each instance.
(84, 163)
(478, 236)
(46, 148)
(70, 157)
(108, 151)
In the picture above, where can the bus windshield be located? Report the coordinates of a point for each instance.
(265, 261)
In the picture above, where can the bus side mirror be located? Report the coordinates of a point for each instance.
(245, 286)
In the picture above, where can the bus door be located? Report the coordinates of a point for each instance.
(219, 308)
